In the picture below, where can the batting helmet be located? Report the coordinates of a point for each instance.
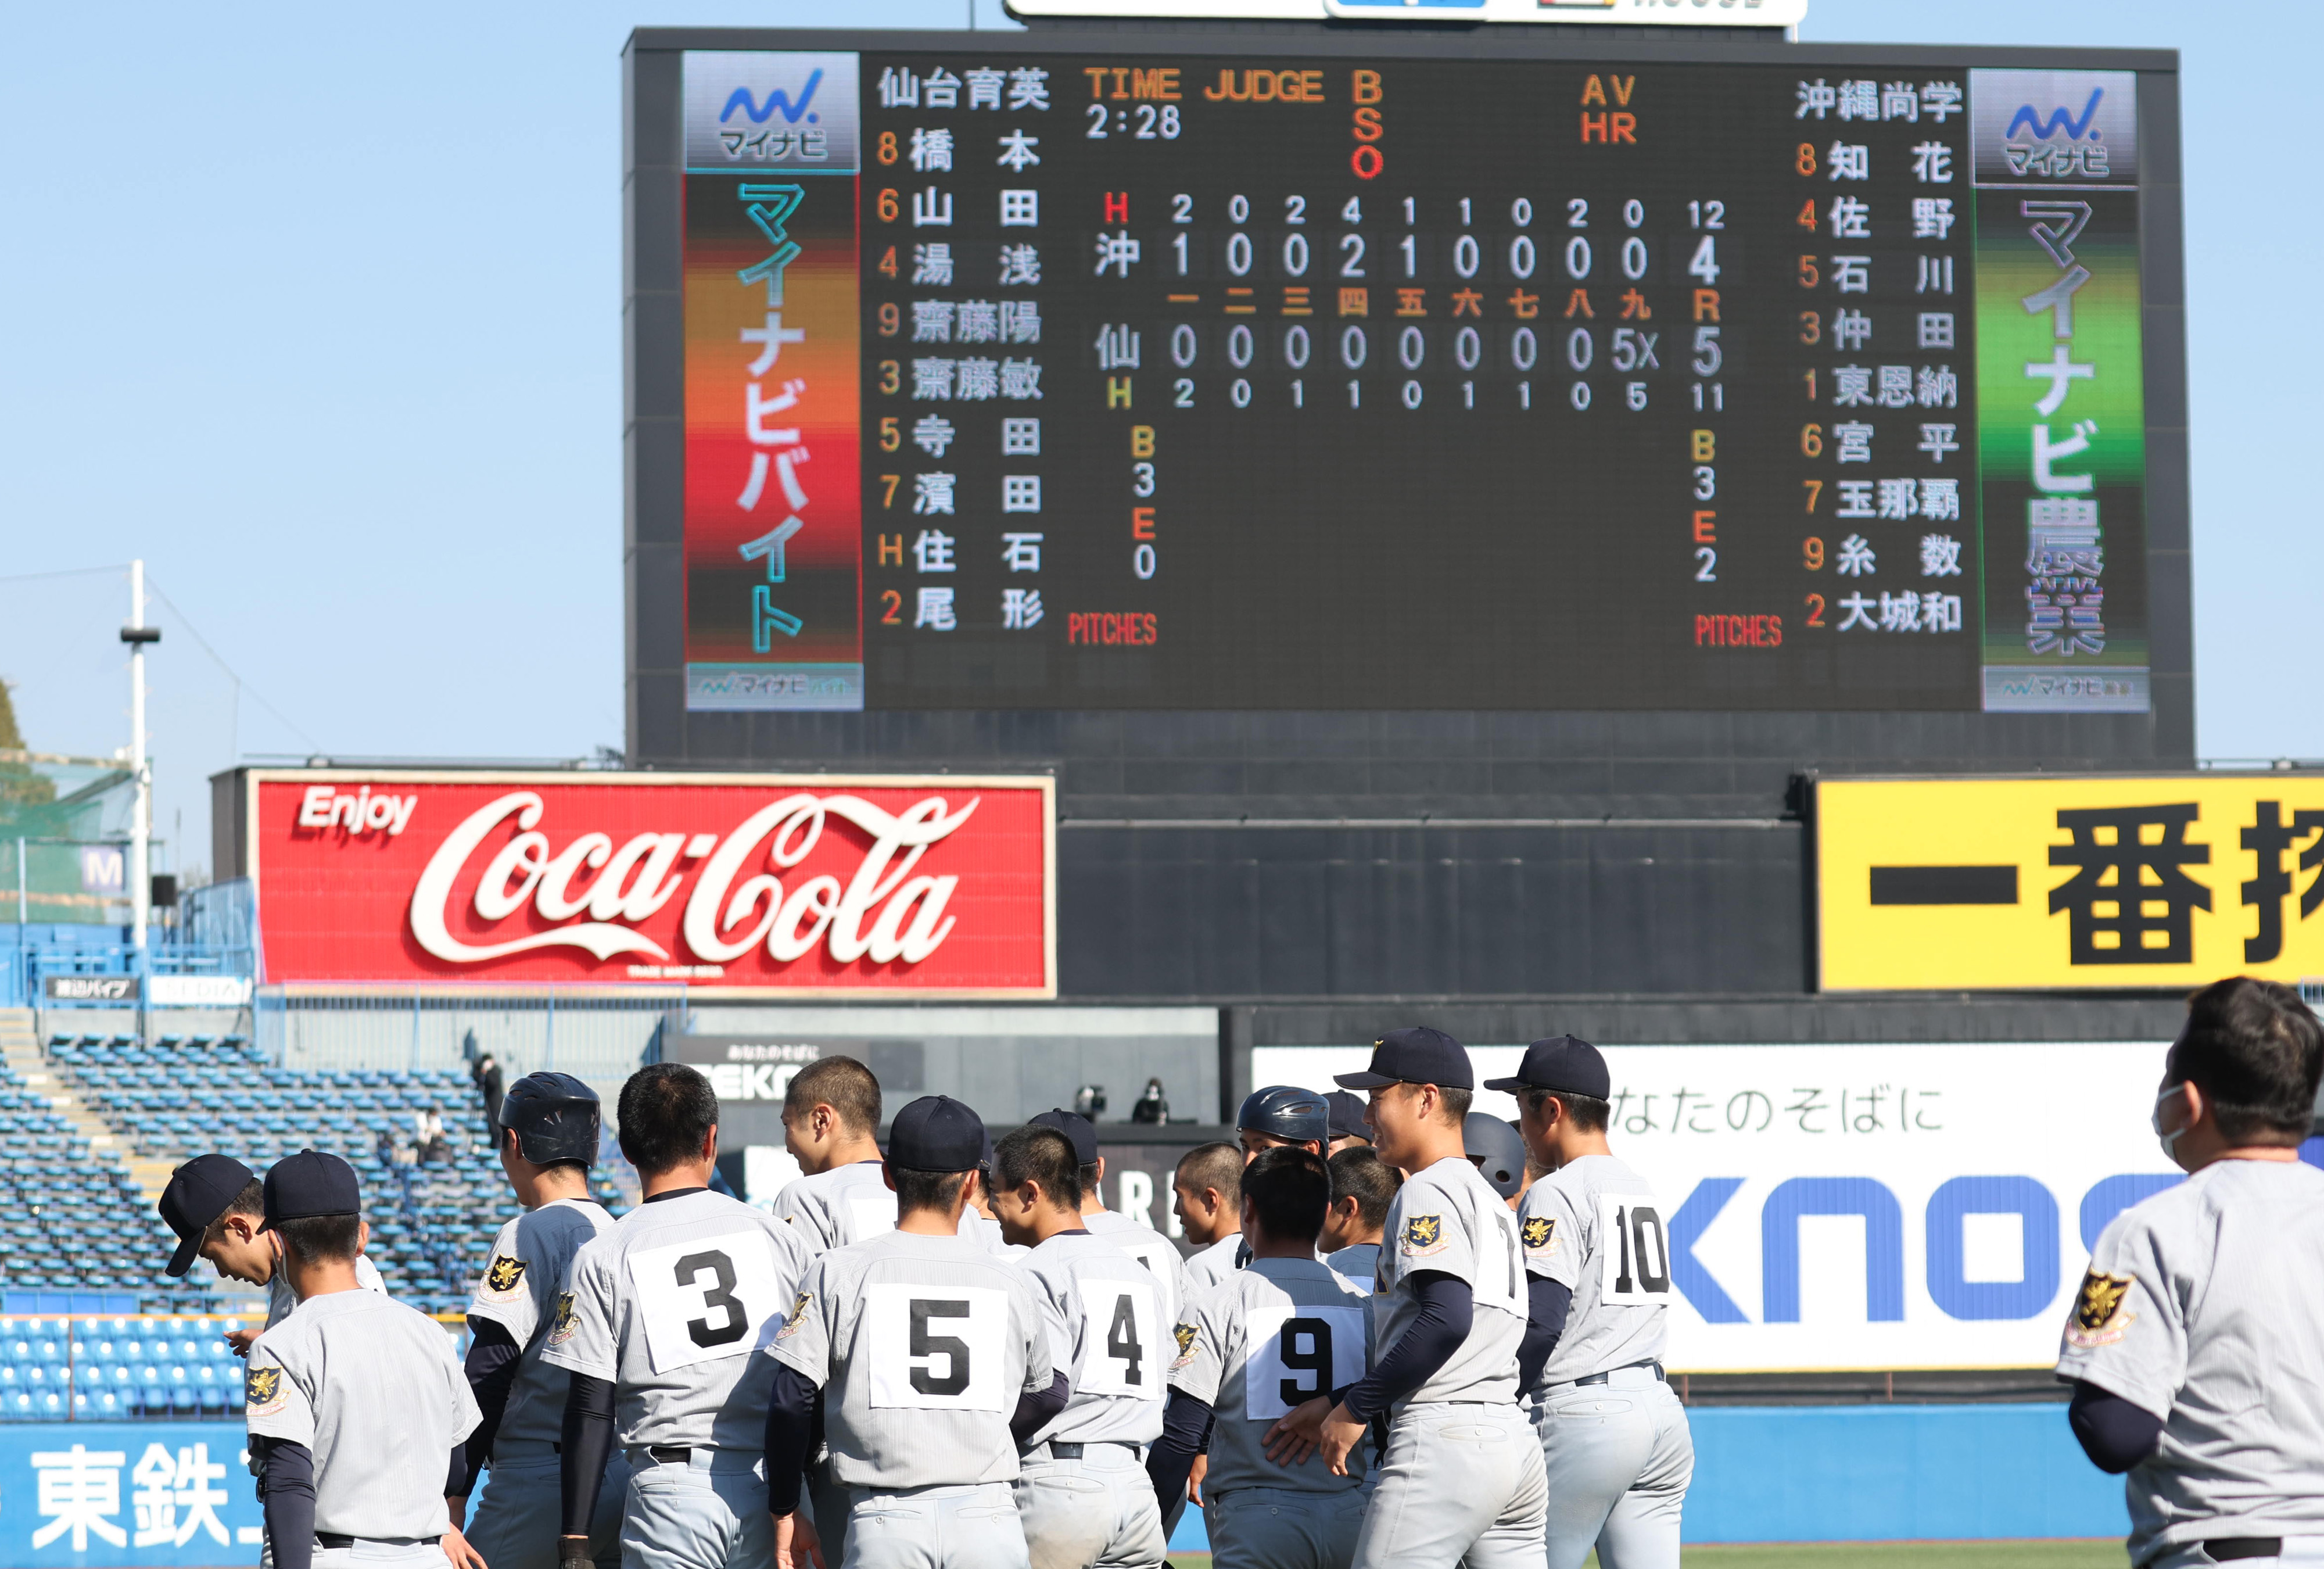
(1498, 1146)
(1295, 1115)
(554, 1116)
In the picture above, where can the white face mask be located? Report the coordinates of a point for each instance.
(2168, 1140)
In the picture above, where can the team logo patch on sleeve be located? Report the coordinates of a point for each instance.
(1539, 1235)
(566, 1321)
(503, 1277)
(796, 1318)
(1184, 1334)
(263, 1391)
(1424, 1235)
(2098, 1316)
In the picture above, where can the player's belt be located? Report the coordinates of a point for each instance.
(670, 1454)
(1608, 1376)
(333, 1542)
(2226, 1549)
(1074, 1451)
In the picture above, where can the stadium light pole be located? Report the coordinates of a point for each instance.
(137, 634)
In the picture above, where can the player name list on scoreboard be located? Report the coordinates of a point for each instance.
(1046, 380)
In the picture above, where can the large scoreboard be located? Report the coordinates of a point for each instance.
(1360, 371)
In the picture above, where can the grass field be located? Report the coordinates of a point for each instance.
(1872, 1555)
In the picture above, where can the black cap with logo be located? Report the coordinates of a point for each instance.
(1560, 1064)
(309, 1185)
(1076, 1127)
(1418, 1056)
(198, 1193)
(937, 1134)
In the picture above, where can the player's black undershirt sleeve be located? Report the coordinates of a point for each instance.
(791, 1418)
(1185, 1428)
(2114, 1433)
(286, 1484)
(1447, 1310)
(490, 1367)
(587, 1442)
(1036, 1407)
(1547, 1303)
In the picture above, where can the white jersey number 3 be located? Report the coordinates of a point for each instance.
(1123, 1333)
(1633, 1253)
(705, 1299)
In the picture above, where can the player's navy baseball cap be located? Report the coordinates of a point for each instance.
(1076, 1127)
(308, 1184)
(197, 1193)
(1560, 1063)
(1347, 1116)
(936, 1133)
(1418, 1056)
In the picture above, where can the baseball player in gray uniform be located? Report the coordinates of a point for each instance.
(831, 1125)
(1082, 1487)
(549, 1136)
(1283, 1329)
(928, 1361)
(830, 1121)
(1364, 1186)
(658, 1329)
(2194, 1347)
(354, 1401)
(1208, 1190)
(1614, 1439)
(1461, 1477)
(217, 1209)
(1142, 1243)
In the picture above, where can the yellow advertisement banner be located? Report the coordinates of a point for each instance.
(2102, 881)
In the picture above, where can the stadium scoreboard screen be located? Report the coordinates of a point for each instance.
(1181, 372)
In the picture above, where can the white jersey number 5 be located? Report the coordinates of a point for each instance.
(1633, 1253)
(937, 1348)
(705, 1299)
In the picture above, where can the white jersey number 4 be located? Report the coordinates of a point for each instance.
(1633, 1252)
(1123, 1332)
(935, 1348)
(705, 1299)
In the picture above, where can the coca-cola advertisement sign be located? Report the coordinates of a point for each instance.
(940, 887)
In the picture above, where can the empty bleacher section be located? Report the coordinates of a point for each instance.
(84, 1152)
(100, 1369)
(431, 1218)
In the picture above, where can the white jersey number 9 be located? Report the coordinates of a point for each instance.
(935, 1348)
(1297, 1353)
(1123, 1333)
(705, 1299)
(1633, 1252)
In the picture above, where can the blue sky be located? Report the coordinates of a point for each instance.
(315, 308)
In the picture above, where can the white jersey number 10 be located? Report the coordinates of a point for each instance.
(1633, 1252)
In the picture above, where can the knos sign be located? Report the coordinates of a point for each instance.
(933, 887)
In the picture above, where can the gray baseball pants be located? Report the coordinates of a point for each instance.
(1462, 1484)
(520, 1511)
(1619, 1457)
(1093, 1509)
(1283, 1528)
(707, 1512)
(971, 1527)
